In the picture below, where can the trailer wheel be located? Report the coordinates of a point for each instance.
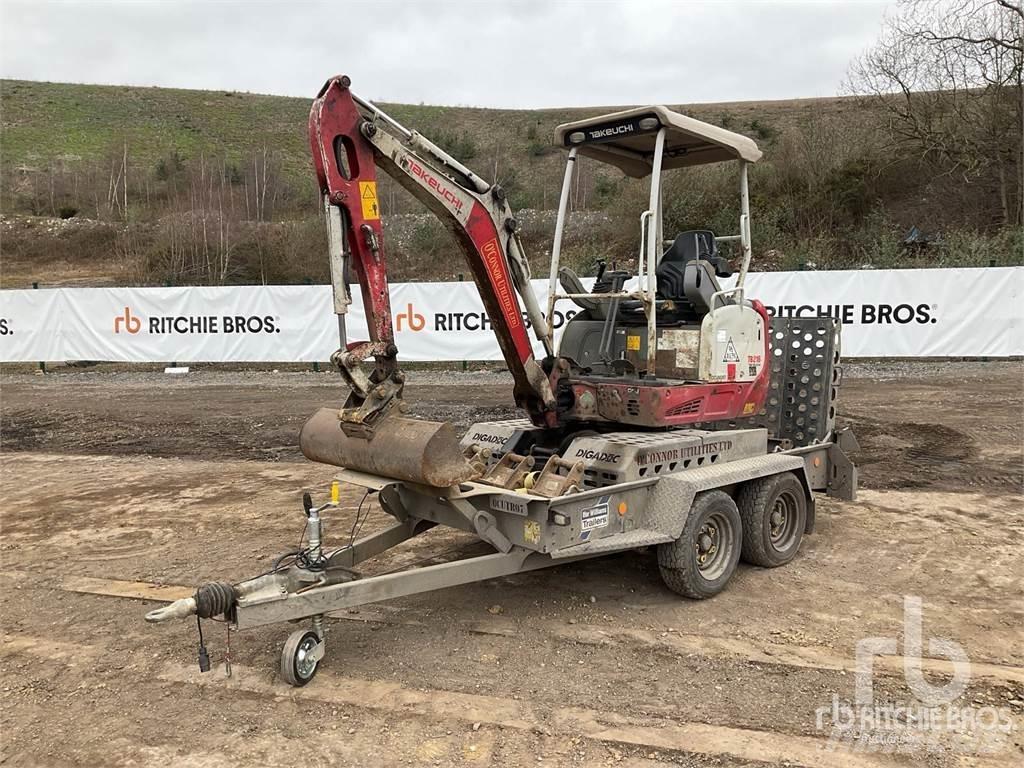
(298, 663)
(700, 562)
(774, 512)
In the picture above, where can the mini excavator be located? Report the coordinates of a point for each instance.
(673, 415)
(675, 349)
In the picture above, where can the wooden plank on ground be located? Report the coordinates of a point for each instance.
(133, 590)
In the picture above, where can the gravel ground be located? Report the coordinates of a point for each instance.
(147, 478)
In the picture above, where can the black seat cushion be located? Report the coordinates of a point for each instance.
(689, 245)
(692, 244)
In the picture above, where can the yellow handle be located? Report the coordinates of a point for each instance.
(335, 492)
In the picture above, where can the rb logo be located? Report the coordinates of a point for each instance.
(130, 323)
(414, 320)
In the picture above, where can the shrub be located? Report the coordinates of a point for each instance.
(763, 131)
(970, 248)
(539, 149)
(459, 145)
(170, 166)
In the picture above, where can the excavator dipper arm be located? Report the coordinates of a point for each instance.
(349, 138)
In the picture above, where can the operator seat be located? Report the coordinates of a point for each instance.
(687, 274)
(692, 244)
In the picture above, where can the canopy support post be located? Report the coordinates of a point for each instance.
(744, 223)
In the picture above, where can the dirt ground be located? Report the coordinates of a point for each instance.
(152, 479)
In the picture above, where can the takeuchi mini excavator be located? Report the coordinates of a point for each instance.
(674, 350)
(674, 413)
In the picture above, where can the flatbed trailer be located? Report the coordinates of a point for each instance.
(702, 496)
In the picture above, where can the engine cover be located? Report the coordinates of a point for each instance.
(732, 344)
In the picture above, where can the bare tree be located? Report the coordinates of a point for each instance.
(949, 77)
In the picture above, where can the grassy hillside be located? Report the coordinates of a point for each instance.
(45, 123)
(137, 172)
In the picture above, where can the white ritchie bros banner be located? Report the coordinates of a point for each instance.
(891, 313)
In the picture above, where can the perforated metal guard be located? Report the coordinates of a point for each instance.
(805, 378)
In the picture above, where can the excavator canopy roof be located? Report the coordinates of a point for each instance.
(626, 140)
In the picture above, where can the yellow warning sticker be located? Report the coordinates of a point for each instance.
(633, 343)
(368, 197)
(531, 532)
(748, 408)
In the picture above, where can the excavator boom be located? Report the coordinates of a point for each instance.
(349, 139)
(688, 351)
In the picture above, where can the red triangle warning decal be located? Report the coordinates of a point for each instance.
(731, 355)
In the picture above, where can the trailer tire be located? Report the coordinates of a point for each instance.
(774, 512)
(713, 532)
(296, 669)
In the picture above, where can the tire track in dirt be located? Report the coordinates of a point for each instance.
(448, 706)
(394, 699)
(767, 652)
(926, 455)
(683, 737)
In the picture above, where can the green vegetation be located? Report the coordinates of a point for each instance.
(157, 186)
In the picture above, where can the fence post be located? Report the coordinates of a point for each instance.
(167, 284)
(42, 363)
(309, 281)
(465, 364)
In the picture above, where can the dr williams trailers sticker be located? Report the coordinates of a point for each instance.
(594, 517)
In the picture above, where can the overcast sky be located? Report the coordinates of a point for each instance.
(493, 54)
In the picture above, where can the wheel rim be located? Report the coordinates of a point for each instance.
(304, 664)
(783, 521)
(714, 546)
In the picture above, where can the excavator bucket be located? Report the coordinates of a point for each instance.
(423, 452)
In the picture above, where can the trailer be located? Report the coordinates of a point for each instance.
(704, 497)
(674, 414)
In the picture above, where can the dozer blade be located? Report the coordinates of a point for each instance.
(424, 452)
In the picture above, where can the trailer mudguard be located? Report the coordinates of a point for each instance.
(672, 497)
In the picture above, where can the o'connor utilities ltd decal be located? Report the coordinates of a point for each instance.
(129, 322)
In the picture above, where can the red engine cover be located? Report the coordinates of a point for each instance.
(667, 405)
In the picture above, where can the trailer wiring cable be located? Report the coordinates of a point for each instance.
(204, 656)
(301, 556)
(279, 561)
(357, 525)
